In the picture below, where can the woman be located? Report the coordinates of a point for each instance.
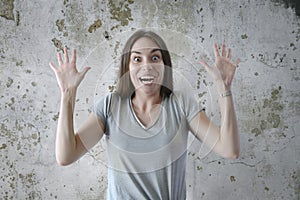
(146, 123)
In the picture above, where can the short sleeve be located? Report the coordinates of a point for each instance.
(189, 104)
(101, 108)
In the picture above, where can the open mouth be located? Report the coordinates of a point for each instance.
(147, 79)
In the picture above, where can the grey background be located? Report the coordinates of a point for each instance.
(264, 34)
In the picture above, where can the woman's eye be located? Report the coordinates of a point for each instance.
(155, 58)
(136, 59)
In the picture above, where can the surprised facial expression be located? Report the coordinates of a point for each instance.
(146, 66)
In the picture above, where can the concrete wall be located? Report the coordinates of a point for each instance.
(264, 34)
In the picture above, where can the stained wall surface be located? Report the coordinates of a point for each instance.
(264, 34)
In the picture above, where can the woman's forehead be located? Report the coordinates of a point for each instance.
(144, 43)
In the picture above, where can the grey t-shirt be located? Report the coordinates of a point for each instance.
(146, 162)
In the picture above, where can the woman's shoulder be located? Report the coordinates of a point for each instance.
(184, 98)
(180, 95)
(108, 97)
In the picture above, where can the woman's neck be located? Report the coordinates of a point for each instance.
(145, 103)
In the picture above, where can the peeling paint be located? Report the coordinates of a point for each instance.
(271, 110)
(97, 24)
(60, 24)
(57, 43)
(121, 12)
(7, 9)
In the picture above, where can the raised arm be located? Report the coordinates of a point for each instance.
(223, 139)
(71, 146)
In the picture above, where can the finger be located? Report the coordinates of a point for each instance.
(66, 55)
(74, 56)
(237, 62)
(223, 50)
(216, 51)
(60, 62)
(229, 54)
(53, 67)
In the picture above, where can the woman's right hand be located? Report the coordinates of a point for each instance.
(67, 75)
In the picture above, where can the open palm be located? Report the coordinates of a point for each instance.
(223, 68)
(67, 74)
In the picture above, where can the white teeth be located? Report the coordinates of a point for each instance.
(147, 79)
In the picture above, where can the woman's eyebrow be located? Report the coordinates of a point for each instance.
(138, 52)
(153, 50)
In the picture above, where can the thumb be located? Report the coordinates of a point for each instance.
(53, 67)
(84, 71)
(205, 65)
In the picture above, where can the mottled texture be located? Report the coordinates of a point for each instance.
(7, 9)
(264, 34)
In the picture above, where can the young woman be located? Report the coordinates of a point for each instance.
(146, 122)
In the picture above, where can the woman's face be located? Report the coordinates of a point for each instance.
(146, 66)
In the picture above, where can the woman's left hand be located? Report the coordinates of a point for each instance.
(224, 68)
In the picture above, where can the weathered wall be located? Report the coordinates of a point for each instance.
(264, 34)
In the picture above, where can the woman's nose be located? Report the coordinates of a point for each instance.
(147, 66)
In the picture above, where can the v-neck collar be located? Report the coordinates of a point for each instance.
(138, 120)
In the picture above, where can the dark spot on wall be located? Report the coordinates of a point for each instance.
(199, 10)
(97, 24)
(106, 35)
(266, 188)
(244, 36)
(292, 45)
(7, 9)
(19, 63)
(60, 24)
(3, 146)
(263, 125)
(232, 178)
(295, 175)
(273, 119)
(279, 57)
(55, 117)
(18, 18)
(256, 131)
(57, 43)
(66, 1)
(9, 82)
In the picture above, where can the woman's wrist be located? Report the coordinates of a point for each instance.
(223, 89)
(68, 94)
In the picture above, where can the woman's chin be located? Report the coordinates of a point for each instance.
(149, 89)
